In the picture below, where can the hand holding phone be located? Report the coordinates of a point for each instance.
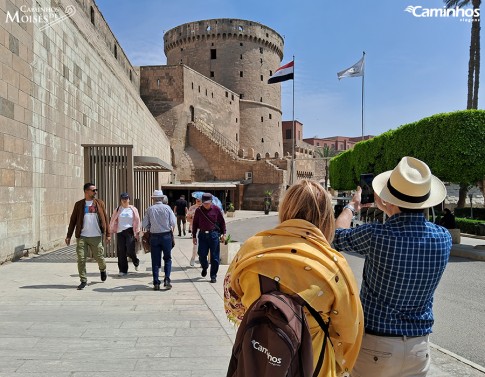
(367, 190)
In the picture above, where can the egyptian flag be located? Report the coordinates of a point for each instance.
(282, 74)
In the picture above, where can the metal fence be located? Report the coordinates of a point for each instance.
(113, 169)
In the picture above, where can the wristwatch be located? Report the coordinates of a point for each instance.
(351, 207)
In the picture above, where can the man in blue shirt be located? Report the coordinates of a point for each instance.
(404, 260)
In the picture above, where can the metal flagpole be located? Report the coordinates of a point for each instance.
(363, 75)
(293, 129)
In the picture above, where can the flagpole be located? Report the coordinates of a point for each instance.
(293, 129)
(363, 75)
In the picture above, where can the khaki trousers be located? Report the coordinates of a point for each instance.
(393, 357)
(96, 246)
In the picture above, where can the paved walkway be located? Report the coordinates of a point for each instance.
(122, 327)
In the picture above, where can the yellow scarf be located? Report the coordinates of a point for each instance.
(297, 254)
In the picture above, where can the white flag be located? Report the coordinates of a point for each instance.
(356, 70)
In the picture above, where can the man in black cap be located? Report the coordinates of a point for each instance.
(209, 221)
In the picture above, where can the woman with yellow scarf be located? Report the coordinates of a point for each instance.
(297, 253)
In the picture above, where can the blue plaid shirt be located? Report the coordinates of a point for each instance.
(405, 259)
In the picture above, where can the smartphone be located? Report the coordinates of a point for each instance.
(367, 190)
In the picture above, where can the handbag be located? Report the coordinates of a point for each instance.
(145, 241)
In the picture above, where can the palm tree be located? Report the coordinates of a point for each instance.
(473, 68)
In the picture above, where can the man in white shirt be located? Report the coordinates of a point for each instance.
(90, 220)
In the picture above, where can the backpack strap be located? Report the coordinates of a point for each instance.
(267, 285)
(324, 327)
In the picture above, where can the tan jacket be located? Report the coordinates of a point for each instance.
(77, 218)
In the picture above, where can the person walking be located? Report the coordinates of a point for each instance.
(190, 218)
(180, 210)
(159, 220)
(211, 226)
(90, 221)
(405, 258)
(297, 254)
(125, 223)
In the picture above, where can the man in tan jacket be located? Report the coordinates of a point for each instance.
(90, 220)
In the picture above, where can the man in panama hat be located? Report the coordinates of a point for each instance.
(404, 260)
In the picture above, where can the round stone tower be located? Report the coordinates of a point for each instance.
(240, 55)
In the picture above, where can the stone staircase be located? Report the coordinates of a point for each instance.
(216, 136)
(201, 171)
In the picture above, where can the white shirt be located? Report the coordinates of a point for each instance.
(125, 219)
(91, 222)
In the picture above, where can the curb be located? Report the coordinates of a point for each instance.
(467, 251)
(458, 358)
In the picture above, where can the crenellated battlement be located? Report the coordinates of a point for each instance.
(224, 28)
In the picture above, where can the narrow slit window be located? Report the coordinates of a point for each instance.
(213, 53)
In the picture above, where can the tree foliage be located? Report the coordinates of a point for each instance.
(452, 144)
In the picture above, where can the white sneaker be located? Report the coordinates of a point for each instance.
(122, 274)
(136, 267)
(192, 262)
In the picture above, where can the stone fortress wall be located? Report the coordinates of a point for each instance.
(176, 95)
(239, 55)
(61, 86)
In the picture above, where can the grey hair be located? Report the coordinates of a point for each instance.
(165, 199)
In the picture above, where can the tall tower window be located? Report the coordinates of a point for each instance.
(213, 53)
(240, 73)
(240, 44)
(212, 73)
(261, 50)
(240, 56)
(92, 15)
(262, 78)
(262, 119)
(270, 116)
(116, 51)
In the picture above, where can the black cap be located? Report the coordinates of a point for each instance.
(206, 198)
(124, 195)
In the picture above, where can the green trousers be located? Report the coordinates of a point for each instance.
(96, 246)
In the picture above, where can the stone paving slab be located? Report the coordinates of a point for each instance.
(122, 327)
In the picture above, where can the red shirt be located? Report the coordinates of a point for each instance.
(206, 223)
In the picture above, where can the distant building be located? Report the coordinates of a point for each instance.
(337, 143)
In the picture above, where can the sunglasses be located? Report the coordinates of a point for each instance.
(94, 190)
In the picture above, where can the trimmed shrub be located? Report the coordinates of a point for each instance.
(478, 213)
(451, 144)
(468, 226)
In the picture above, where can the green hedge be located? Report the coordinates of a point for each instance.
(467, 225)
(452, 145)
(478, 213)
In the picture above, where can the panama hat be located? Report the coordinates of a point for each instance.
(157, 194)
(410, 185)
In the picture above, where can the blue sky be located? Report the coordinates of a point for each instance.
(415, 66)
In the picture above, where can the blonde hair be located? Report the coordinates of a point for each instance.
(308, 200)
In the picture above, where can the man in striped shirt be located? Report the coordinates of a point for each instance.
(405, 258)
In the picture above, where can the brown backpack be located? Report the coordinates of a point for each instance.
(273, 338)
